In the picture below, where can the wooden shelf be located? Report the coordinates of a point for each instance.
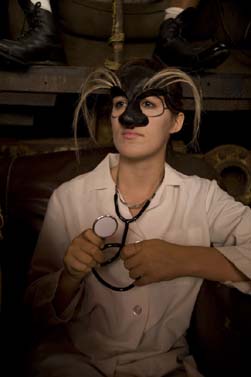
(39, 84)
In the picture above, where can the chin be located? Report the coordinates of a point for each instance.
(135, 154)
(129, 148)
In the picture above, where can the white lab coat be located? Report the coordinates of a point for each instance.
(140, 332)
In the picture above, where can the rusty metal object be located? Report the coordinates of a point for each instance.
(117, 37)
(233, 165)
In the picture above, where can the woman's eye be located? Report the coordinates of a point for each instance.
(147, 104)
(119, 104)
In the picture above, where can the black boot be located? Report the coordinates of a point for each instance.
(174, 48)
(40, 44)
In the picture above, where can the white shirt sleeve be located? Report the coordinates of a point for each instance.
(230, 231)
(47, 264)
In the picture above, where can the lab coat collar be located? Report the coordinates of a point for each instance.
(101, 175)
(102, 179)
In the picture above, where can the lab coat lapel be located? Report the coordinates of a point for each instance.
(145, 227)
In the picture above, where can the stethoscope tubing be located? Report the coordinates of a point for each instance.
(119, 245)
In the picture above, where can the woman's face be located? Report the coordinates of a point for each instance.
(143, 140)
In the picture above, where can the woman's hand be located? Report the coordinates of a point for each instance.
(155, 260)
(83, 254)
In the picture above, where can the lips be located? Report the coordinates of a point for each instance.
(131, 134)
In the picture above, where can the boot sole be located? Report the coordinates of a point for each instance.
(202, 66)
(186, 69)
(8, 61)
(46, 62)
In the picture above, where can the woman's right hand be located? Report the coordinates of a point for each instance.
(83, 254)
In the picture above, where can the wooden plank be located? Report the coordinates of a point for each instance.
(28, 99)
(227, 86)
(12, 119)
(66, 79)
(13, 147)
(51, 79)
(210, 104)
(33, 146)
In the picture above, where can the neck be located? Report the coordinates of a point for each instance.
(137, 181)
(140, 172)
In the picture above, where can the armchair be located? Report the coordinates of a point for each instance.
(220, 325)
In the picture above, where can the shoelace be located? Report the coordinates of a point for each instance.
(33, 18)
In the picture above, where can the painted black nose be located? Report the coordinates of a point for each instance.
(133, 119)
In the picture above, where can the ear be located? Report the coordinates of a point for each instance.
(177, 123)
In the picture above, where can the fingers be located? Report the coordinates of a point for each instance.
(136, 273)
(74, 268)
(90, 244)
(77, 262)
(83, 254)
(132, 257)
(142, 280)
(132, 262)
(130, 250)
(85, 258)
(89, 235)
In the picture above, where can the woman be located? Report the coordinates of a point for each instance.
(129, 317)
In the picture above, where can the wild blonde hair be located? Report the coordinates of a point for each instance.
(102, 80)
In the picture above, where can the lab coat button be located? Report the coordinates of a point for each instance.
(137, 310)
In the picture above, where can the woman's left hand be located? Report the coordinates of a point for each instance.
(155, 260)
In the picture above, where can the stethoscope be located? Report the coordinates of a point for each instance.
(105, 226)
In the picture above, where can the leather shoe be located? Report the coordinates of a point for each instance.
(39, 44)
(173, 48)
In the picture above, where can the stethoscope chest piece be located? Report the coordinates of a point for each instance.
(105, 226)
